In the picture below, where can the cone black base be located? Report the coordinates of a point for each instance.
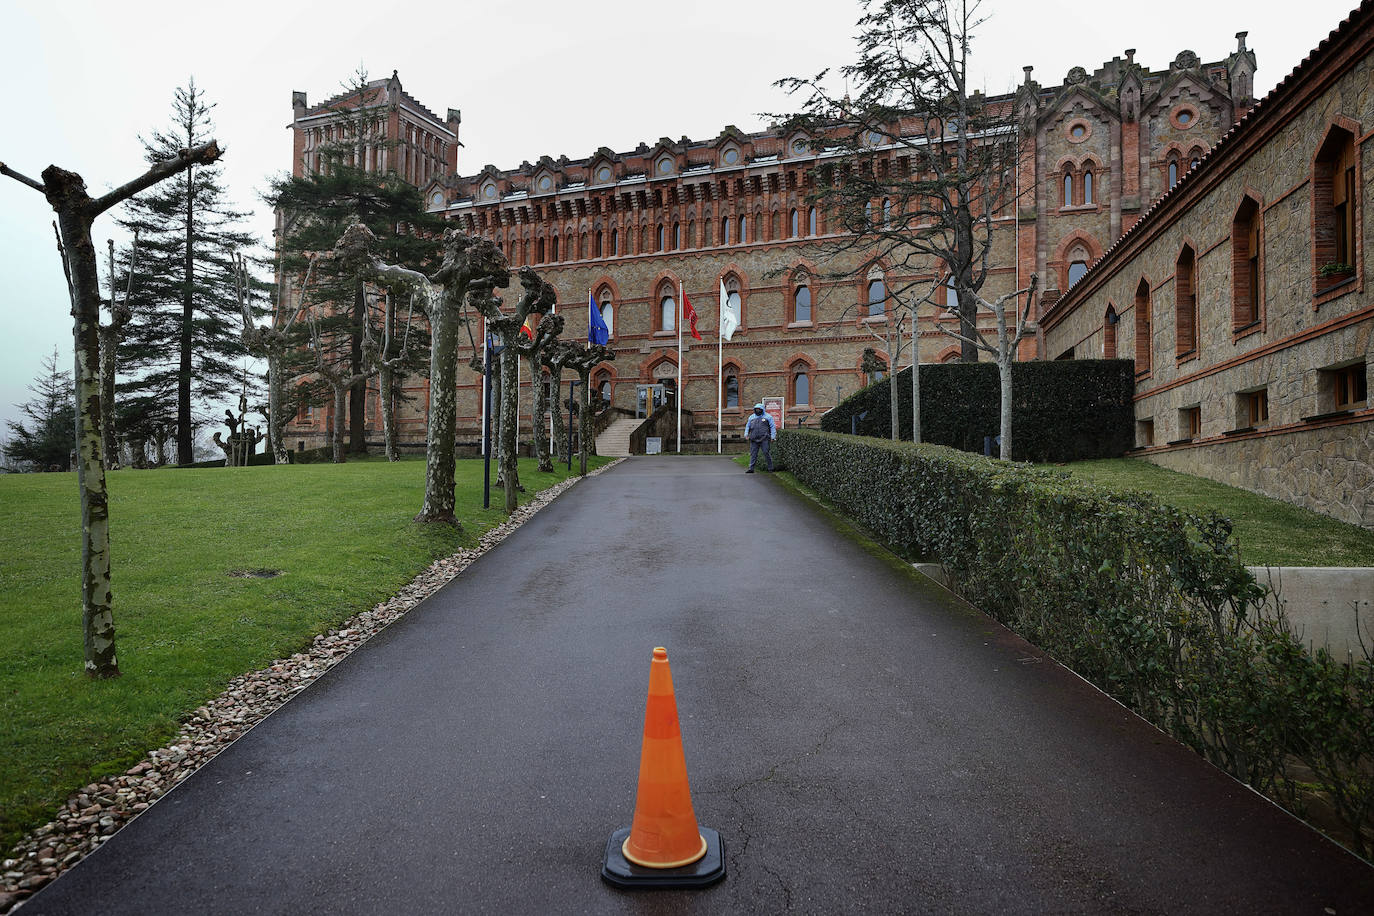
(620, 871)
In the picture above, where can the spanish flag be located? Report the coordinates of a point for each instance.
(528, 327)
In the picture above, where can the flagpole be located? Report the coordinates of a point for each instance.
(720, 381)
(678, 396)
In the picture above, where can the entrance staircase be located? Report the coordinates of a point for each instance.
(615, 441)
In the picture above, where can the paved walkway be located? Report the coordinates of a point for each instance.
(860, 741)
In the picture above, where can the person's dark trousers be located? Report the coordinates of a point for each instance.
(754, 447)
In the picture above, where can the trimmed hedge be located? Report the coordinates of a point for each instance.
(1064, 410)
(1147, 601)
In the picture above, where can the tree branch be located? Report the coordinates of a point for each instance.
(23, 179)
(205, 154)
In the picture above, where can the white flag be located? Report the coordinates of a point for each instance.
(729, 317)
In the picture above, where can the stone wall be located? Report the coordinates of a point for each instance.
(1196, 409)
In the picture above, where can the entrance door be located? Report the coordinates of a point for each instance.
(648, 398)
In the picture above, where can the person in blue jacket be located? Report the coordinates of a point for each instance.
(760, 432)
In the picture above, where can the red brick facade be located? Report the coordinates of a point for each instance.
(631, 227)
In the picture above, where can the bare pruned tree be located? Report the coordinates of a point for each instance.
(340, 380)
(273, 342)
(583, 361)
(470, 265)
(76, 212)
(537, 298)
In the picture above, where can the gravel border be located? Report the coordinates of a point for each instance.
(94, 814)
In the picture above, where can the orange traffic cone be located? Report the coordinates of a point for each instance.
(663, 847)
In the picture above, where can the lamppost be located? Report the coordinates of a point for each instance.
(572, 390)
(491, 352)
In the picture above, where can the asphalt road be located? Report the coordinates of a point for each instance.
(861, 741)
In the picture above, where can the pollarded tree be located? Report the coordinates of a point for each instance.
(470, 266)
(278, 343)
(184, 332)
(537, 298)
(317, 208)
(556, 357)
(47, 440)
(583, 361)
(76, 212)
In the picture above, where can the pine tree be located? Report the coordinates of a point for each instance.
(318, 207)
(47, 444)
(182, 346)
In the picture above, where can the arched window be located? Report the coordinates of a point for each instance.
(1185, 303)
(615, 242)
(733, 299)
(1142, 328)
(743, 230)
(877, 296)
(725, 230)
(597, 252)
(801, 385)
(554, 243)
(1078, 264)
(951, 295)
(796, 223)
(1068, 188)
(758, 227)
(1245, 265)
(868, 214)
(1109, 323)
(776, 225)
(1335, 205)
(539, 251)
(887, 211)
(801, 302)
(667, 310)
(731, 389)
(1173, 172)
(660, 238)
(692, 234)
(811, 221)
(607, 312)
(677, 236)
(1088, 186)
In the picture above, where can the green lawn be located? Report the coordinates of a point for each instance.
(341, 535)
(1270, 532)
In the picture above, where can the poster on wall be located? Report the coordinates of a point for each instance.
(774, 408)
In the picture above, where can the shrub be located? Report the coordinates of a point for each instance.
(1147, 601)
(1064, 410)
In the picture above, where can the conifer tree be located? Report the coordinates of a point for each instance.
(47, 440)
(184, 334)
(317, 208)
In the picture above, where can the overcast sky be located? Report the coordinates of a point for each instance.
(531, 78)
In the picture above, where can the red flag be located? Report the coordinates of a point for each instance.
(690, 314)
(528, 327)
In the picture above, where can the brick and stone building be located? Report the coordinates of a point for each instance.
(1242, 294)
(632, 228)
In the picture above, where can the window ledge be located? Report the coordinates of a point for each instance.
(1183, 441)
(874, 319)
(1329, 415)
(1240, 431)
(799, 324)
(665, 333)
(1080, 208)
(1325, 292)
(1246, 330)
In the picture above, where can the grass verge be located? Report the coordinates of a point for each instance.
(195, 603)
(1270, 532)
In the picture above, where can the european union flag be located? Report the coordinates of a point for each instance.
(597, 332)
